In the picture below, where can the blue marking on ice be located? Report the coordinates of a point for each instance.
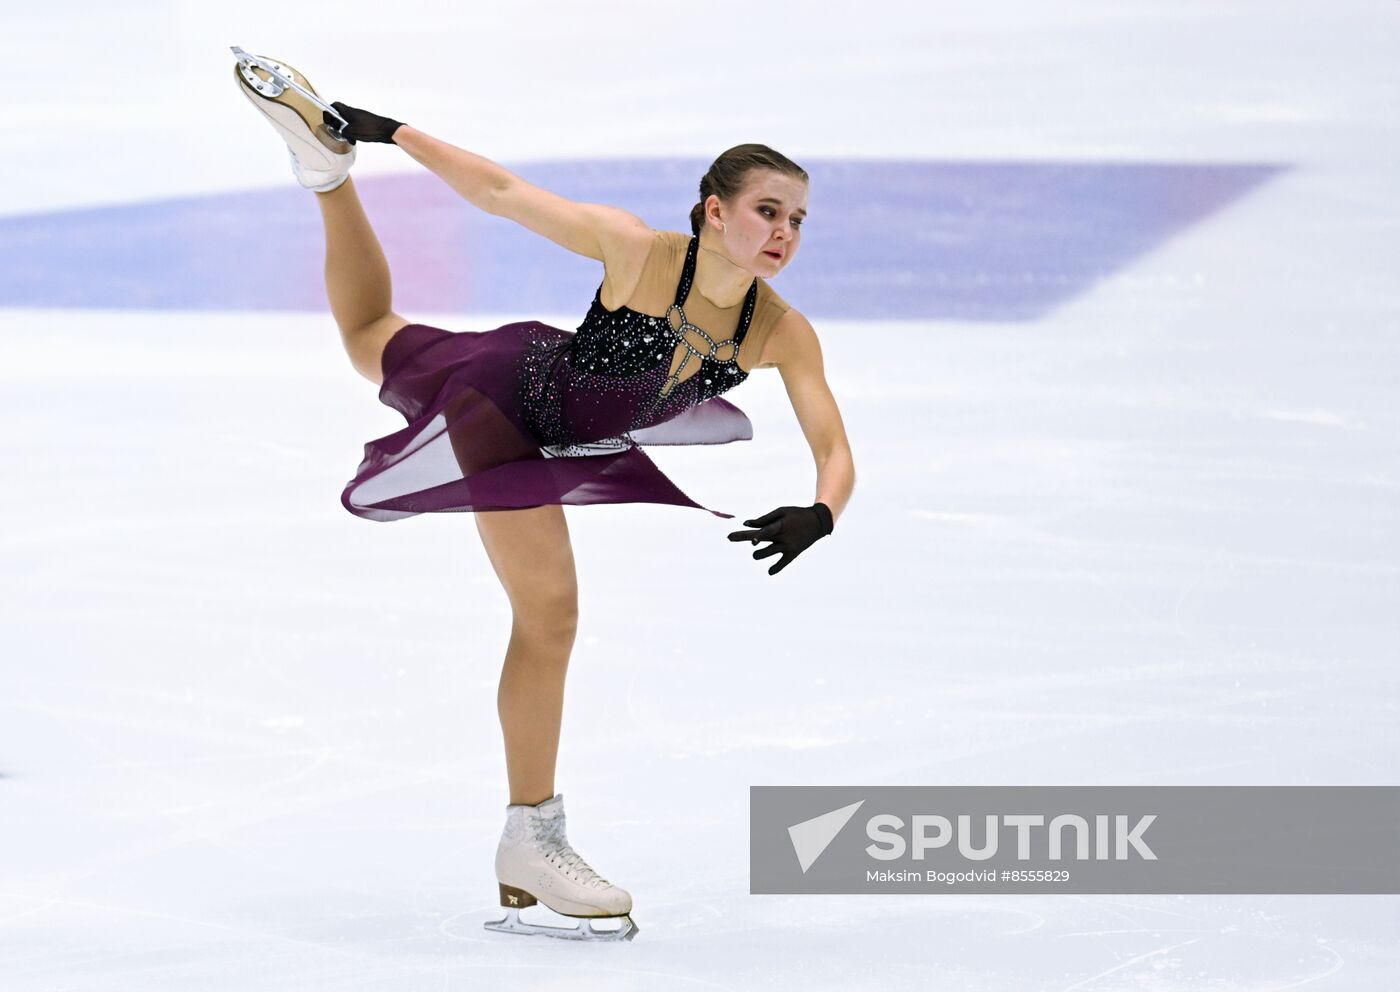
(994, 241)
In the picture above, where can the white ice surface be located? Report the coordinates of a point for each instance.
(251, 741)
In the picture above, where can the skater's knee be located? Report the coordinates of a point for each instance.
(365, 344)
(549, 613)
(530, 551)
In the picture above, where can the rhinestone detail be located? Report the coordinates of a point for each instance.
(571, 383)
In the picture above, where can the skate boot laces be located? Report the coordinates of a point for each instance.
(559, 852)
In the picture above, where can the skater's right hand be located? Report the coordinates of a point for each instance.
(361, 125)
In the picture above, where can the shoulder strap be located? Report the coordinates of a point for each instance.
(656, 283)
(768, 310)
(688, 272)
(747, 316)
(688, 276)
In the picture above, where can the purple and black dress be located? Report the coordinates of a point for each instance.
(527, 414)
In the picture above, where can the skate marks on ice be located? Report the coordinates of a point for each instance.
(228, 762)
(1176, 945)
(1051, 944)
(1249, 951)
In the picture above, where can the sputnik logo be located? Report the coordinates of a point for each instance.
(811, 837)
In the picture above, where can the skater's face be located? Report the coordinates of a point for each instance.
(763, 229)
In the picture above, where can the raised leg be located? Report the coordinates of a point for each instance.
(532, 555)
(357, 281)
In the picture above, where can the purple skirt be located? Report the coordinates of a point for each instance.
(468, 444)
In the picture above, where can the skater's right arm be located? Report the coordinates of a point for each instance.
(594, 230)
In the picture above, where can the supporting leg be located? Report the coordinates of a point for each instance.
(531, 554)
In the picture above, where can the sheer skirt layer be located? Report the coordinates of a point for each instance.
(469, 444)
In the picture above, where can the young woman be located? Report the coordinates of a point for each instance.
(516, 422)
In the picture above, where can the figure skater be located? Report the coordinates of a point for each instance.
(514, 423)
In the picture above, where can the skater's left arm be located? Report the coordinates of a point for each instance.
(793, 529)
(799, 359)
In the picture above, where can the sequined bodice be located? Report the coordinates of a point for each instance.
(624, 370)
(625, 342)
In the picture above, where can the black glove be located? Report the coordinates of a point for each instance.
(792, 529)
(361, 125)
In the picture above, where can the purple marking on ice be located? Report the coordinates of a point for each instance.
(883, 240)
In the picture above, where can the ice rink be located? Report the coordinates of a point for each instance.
(1102, 291)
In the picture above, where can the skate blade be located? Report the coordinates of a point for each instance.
(512, 923)
(282, 77)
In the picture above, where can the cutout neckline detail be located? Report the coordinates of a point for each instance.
(683, 288)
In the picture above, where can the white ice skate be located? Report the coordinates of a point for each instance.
(321, 158)
(534, 863)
